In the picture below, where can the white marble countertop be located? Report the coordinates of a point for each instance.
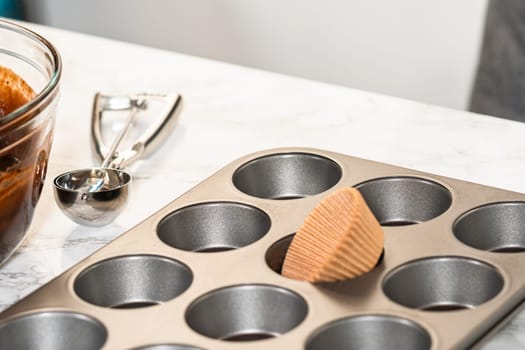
(231, 111)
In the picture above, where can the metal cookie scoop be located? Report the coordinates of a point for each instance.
(96, 196)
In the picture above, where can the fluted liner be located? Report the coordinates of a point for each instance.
(340, 239)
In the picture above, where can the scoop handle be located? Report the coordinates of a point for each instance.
(112, 155)
(154, 135)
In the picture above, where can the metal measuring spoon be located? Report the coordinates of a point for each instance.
(96, 196)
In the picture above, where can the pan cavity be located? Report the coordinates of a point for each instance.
(213, 227)
(246, 312)
(133, 281)
(443, 283)
(287, 176)
(496, 227)
(401, 201)
(167, 347)
(58, 330)
(374, 332)
(276, 254)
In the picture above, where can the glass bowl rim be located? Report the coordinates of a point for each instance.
(53, 80)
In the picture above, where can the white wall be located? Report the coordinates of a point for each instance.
(424, 50)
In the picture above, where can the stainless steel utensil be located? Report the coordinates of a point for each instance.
(96, 196)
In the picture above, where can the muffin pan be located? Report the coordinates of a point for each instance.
(203, 272)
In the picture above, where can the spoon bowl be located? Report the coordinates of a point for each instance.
(92, 196)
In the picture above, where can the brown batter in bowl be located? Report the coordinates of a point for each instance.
(29, 75)
(14, 91)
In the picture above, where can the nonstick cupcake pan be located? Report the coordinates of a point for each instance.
(203, 272)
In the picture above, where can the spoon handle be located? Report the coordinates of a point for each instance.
(113, 154)
(167, 105)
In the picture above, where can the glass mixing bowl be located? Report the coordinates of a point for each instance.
(26, 133)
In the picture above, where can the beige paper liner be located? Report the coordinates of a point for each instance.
(340, 239)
